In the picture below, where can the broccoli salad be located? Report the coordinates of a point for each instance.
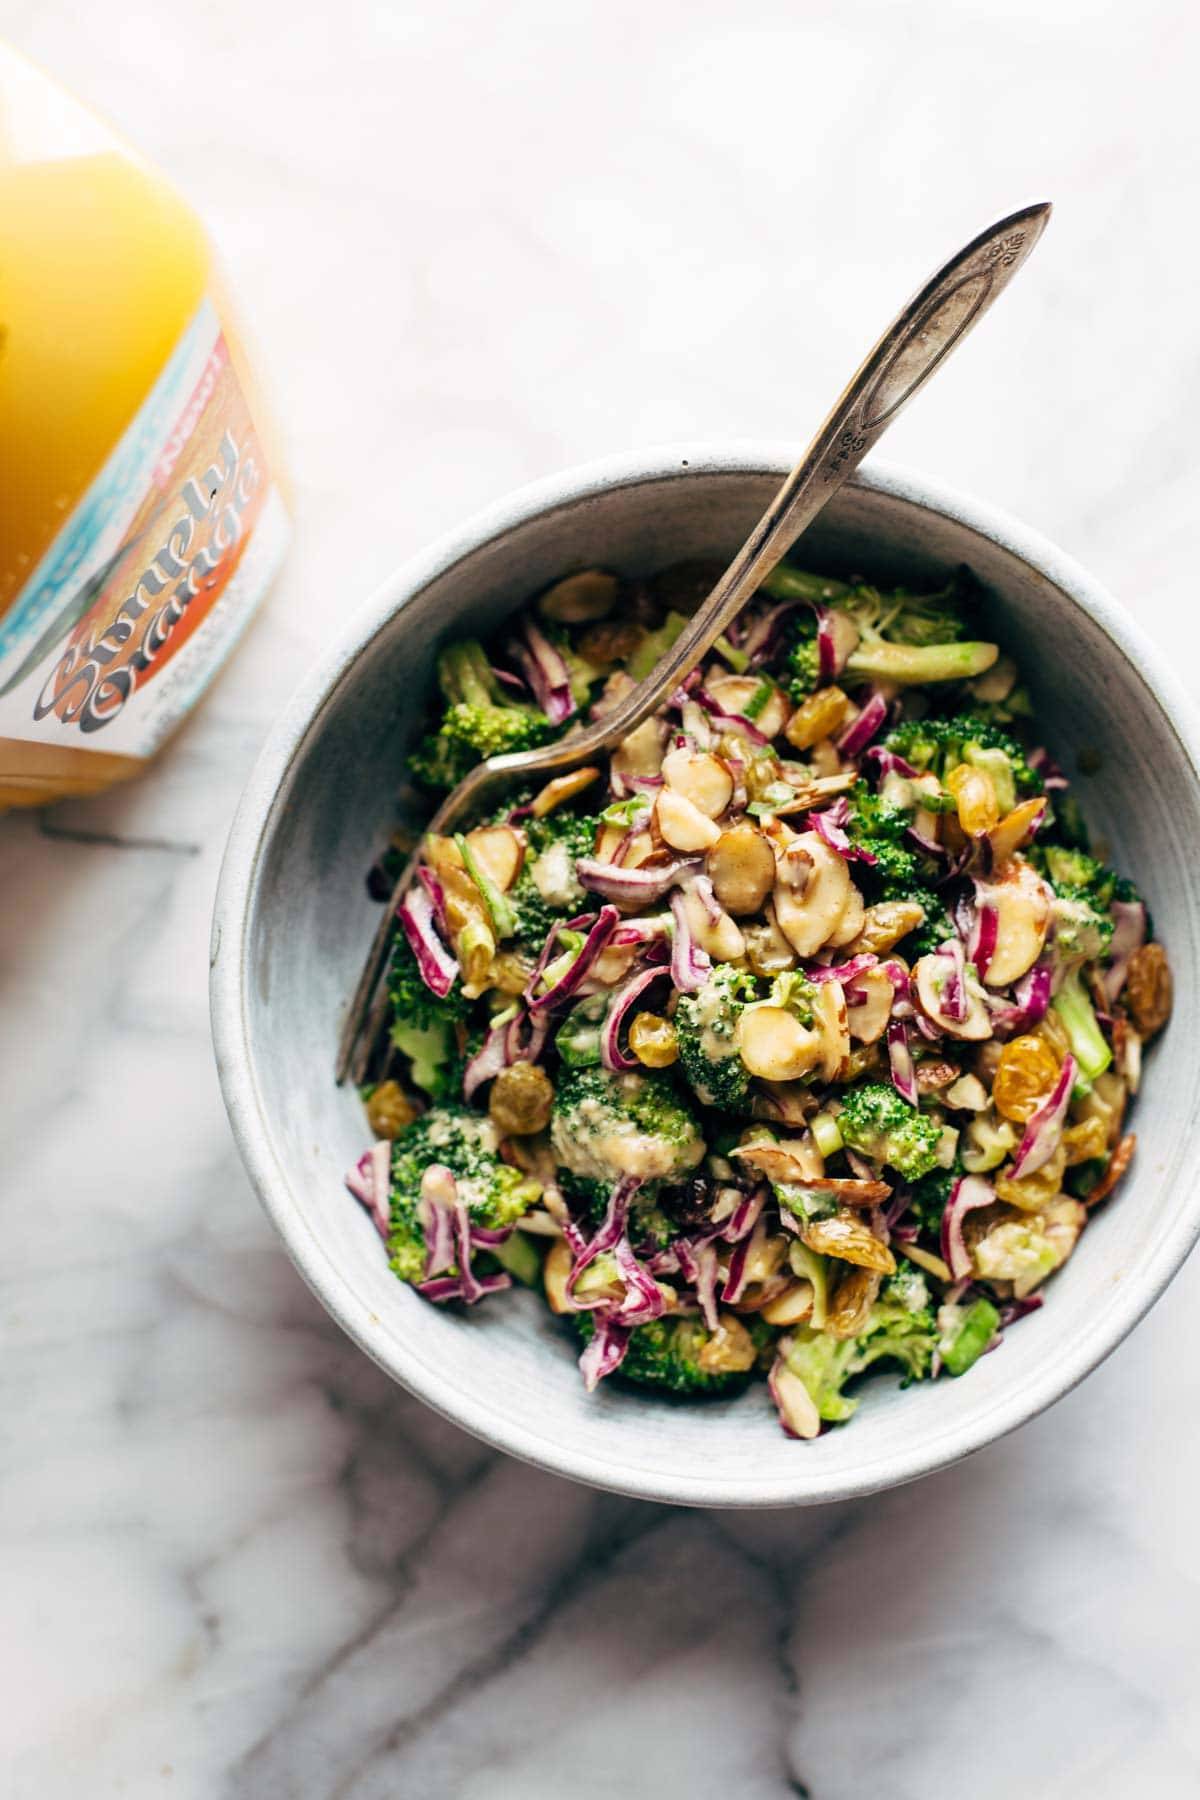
(794, 1037)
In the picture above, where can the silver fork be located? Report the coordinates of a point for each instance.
(915, 344)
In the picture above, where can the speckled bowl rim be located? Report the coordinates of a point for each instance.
(229, 986)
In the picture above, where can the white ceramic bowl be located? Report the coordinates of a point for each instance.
(293, 921)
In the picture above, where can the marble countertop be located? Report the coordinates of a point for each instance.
(475, 246)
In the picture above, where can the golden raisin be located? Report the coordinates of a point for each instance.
(1149, 988)
(1025, 1075)
(389, 1110)
(612, 642)
(521, 1099)
(846, 1236)
(818, 716)
(1085, 1141)
(652, 1040)
(975, 794)
(1032, 1192)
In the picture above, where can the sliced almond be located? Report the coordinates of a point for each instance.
(683, 825)
(734, 693)
(741, 867)
(791, 1307)
(701, 778)
(807, 920)
(1022, 902)
(832, 1020)
(563, 788)
(579, 599)
(716, 933)
(641, 753)
(869, 1021)
(851, 921)
(499, 852)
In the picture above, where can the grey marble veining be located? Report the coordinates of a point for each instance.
(475, 247)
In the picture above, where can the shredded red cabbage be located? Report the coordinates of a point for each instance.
(968, 1193)
(438, 969)
(870, 720)
(370, 1182)
(633, 887)
(545, 669)
(690, 965)
(1044, 1128)
(605, 1352)
(735, 721)
(900, 1060)
(601, 927)
(611, 1053)
(1129, 934)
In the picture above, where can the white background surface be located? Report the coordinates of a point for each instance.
(476, 244)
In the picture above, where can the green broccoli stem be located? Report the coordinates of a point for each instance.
(785, 583)
(915, 664)
(1089, 1046)
(975, 1332)
(465, 675)
(654, 646)
(499, 908)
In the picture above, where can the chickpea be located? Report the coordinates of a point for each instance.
(521, 1099)
(389, 1110)
(652, 1040)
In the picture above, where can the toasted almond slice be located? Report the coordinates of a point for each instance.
(683, 825)
(779, 1162)
(563, 788)
(1014, 830)
(701, 778)
(499, 852)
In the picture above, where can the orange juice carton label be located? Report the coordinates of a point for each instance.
(155, 572)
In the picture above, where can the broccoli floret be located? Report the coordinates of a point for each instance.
(665, 1354)
(826, 1364)
(1081, 932)
(941, 744)
(878, 1123)
(1074, 871)
(533, 914)
(905, 638)
(424, 1028)
(705, 1024)
(878, 827)
(803, 659)
(466, 1143)
(481, 719)
(607, 1125)
(547, 890)
(966, 1332)
(929, 1197)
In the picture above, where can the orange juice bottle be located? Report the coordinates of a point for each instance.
(141, 518)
